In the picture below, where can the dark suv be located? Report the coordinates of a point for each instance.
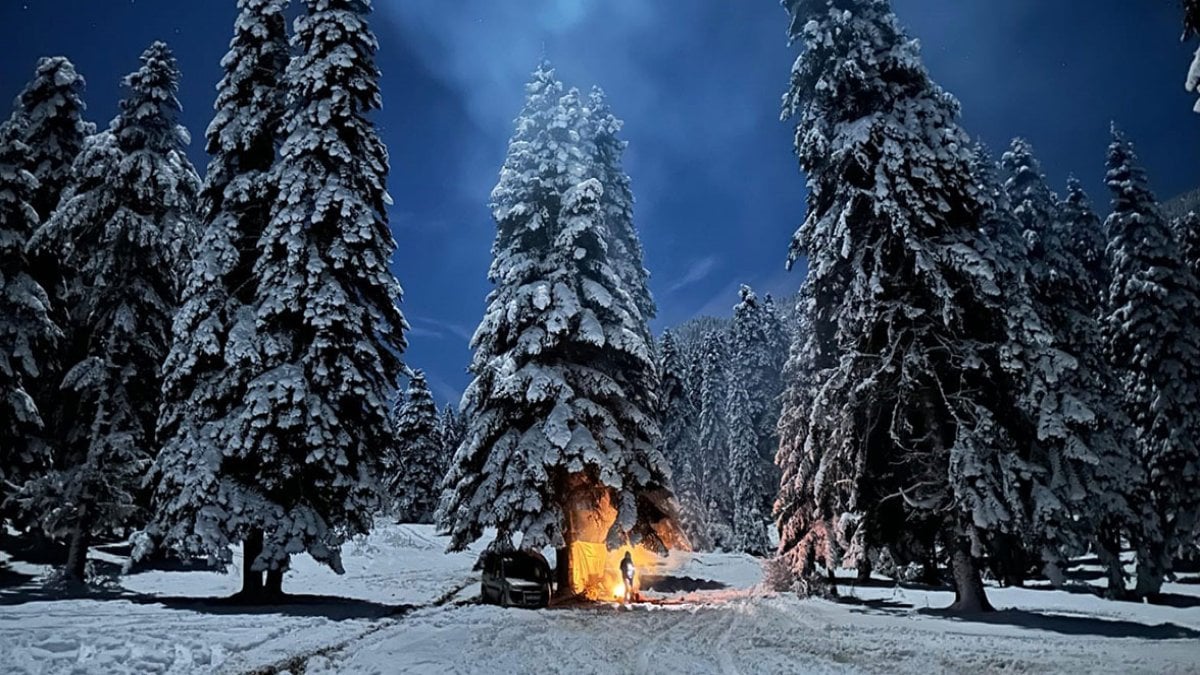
(516, 579)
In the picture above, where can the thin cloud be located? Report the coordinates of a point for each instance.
(421, 326)
(699, 271)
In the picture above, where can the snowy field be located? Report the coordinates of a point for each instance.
(404, 606)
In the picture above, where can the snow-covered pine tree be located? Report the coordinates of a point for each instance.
(565, 393)
(804, 513)
(754, 387)
(1187, 232)
(452, 431)
(1011, 558)
(414, 486)
(714, 439)
(1154, 345)
(560, 399)
(746, 474)
(914, 409)
(213, 353)
(323, 350)
(670, 369)
(1032, 202)
(132, 193)
(626, 251)
(680, 442)
(777, 340)
(54, 130)
(1084, 466)
(693, 358)
(153, 131)
(28, 335)
(626, 254)
(49, 114)
(1088, 241)
(1191, 28)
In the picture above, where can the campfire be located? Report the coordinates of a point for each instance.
(594, 568)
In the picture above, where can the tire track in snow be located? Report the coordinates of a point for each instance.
(298, 664)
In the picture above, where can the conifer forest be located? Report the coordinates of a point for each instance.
(785, 336)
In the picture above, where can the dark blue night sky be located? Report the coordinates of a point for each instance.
(698, 83)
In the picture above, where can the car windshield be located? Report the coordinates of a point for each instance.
(523, 568)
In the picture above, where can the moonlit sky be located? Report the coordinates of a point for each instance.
(698, 83)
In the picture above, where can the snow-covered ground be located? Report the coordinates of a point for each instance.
(397, 609)
(165, 626)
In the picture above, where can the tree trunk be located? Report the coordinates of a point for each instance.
(274, 587)
(1150, 572)
(864, 570)
(930, 576)
(969, 595)
(562, 556)
(1014, 561)
(77, 550)
(252, 579)
(1108, 550)
(562, 572)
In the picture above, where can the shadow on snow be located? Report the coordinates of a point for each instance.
(1054, 623)
(25, 589)
(1073, 625)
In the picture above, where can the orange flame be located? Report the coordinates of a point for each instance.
(595, 570)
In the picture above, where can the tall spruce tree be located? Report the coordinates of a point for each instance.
(803, 507)
(1154, 345)
(754, 388)
(565, 391)
(207, 371)
(748, 525)
(714, 438)
(1187, 232)
(626, 255)
(681, 443)
(452, 430)
(776, 342)
(1078, 491)
(328, 334)
(28, 335)
(117, 226)
(48, 119)
(415, 480)
(1088, 242)
(914, 403)
(626, 248)
(54, 129)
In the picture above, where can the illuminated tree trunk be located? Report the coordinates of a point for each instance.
(563, 572)
(562, 556)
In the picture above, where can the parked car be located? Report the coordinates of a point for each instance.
(516, 579)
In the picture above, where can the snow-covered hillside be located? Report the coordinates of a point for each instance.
(404, 606)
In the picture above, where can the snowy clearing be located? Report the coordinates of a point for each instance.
(380, 618)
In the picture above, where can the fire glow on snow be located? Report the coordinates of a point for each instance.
(596, 570)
